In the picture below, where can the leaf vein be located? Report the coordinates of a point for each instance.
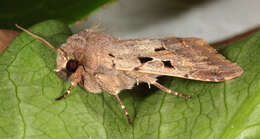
(18, 104)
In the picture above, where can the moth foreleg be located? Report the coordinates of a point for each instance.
(165, 89)
(75, 79)
(124, 109)
(66, 93)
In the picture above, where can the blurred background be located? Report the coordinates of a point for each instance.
(212, 20)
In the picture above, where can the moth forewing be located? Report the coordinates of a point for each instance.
(97, 61)
(189, 58)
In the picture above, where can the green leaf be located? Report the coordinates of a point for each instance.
(216, 110)
(29, 12)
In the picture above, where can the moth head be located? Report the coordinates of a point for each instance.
(66, 67)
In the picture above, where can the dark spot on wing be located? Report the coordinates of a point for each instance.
(159, 49)
(213, 73)
(144, 59)
(136, 68)
(167, 64)
(111, 55)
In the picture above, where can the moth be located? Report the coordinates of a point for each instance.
(99, 62)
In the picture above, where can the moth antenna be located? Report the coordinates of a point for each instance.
(44, 41)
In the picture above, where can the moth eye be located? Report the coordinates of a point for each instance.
(72, 65)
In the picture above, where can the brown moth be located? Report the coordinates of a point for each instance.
(97, 62)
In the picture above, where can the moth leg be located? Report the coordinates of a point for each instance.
(124, 109)
(114, 83)
(75, 79)
(150, 79)
(165, 89)
(66, 93)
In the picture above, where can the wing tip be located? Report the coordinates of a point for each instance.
(222, 75)
(238, 71)
(235, 72)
